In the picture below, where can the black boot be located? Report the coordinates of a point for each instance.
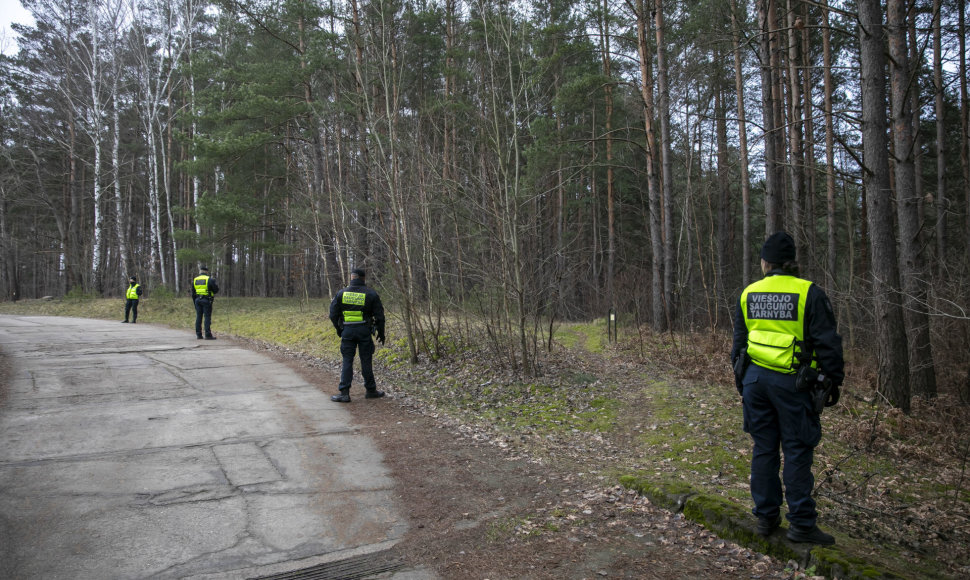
(767, 526)
(343, 397)
(374, 394)
(812, 535)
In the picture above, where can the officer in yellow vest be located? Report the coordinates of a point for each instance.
(783, 323)
(131, 299)
(204, 290)
(356, 312)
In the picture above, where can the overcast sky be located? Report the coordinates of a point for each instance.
(11, 11)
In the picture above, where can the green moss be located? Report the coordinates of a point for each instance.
(834, 562)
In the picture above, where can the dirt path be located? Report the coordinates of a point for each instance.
(476, 512)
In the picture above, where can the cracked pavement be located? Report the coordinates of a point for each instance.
(136, 451)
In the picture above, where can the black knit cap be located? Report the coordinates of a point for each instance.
(359, 273)
(203, 268)
(778, 249)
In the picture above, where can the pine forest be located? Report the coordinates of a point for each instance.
(499, 167)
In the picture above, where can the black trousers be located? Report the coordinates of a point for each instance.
(131, 305)
(356, 339)
(203, 310)
(777, 416)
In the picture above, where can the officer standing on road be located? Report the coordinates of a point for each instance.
(131, 299)
(204, 290)
(356, 312)
(785, 327)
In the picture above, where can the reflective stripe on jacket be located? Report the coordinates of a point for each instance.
(774, 313)
(132, 293)
(201, 284)
(353, 299)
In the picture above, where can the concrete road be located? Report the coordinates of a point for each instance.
(137, 451)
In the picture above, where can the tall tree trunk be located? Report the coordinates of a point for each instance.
(964, 116)
(811, 165)
(610, 195)
(911, 263)
(667, 165)
(941, 197)
(71, 244)
(653, 182)
(743, 147)
(94, 85)
(722, 247)
(773, 185)
(831, 264)
(890, 335)
(913, 93)
(119, 222)
(796, 139)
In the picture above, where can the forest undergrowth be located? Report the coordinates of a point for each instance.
(893, 486)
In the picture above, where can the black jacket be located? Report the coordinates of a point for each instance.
(213, 288)
(820, 333)
(373, 309)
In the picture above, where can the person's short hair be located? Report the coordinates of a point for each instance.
(358, 273)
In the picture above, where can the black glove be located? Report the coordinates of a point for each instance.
(740, 366)
(380, 335)
(833, 398)
(340, 331)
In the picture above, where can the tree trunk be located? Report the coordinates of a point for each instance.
(722, 246)
(610, 201)
(796, 138)
(964, 116)
(941, 197)
(911, 263)
(830, 269)
(811, 169)
(890, 337)
(94, 85)
(773, 186)
(743, 147)
(667, 164)
(653, 182)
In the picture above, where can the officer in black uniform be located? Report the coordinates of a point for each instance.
(785, 328)
(204, 290)
(132, 294)
(356, 312)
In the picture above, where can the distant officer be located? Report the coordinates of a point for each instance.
(131, 299)
(204, 290)
(356, 312)
(786, 326)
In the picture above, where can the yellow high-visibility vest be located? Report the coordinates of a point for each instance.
(774, 312)
(132, 293)
(201, 284)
